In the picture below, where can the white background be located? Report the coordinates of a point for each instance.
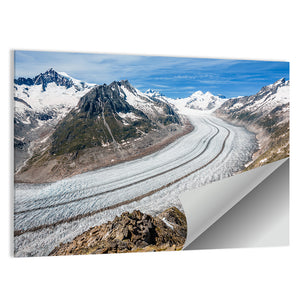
(254, 29)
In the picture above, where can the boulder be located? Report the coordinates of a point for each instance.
(131, 232)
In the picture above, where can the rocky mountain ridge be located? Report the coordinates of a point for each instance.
(130, 232)
(267, 114)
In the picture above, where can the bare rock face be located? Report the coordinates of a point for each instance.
(131, 232)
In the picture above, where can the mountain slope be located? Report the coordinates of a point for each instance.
(267, 114)
(40, 103)
(102, 116)
(110, 124)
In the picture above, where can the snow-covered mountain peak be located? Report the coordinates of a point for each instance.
(199, 95)
(125, 83)
(196, 94)
(150, 91)
(50, 72)
(48, 90)
(203, 101)
(52, 76)
(280, 81)
(274, 86)
(208, 94)
(153, 93)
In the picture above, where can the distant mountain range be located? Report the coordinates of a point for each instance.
(51, 76)
(199, 101)
(203, 101)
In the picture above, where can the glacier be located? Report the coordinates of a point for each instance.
(48, 214)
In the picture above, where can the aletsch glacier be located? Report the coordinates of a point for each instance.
(105, 187)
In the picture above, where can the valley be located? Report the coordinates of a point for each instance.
(59, 211)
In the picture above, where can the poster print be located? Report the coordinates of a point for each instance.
(105, 144)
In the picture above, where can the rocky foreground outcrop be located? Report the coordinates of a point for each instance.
(131, 232)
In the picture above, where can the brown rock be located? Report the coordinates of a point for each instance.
(131, 232)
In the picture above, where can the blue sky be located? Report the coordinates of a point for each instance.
(173, 76)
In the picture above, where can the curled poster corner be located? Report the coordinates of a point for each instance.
(205, 205)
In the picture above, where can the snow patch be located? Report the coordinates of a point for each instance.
(167, 223)
(129, 115)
